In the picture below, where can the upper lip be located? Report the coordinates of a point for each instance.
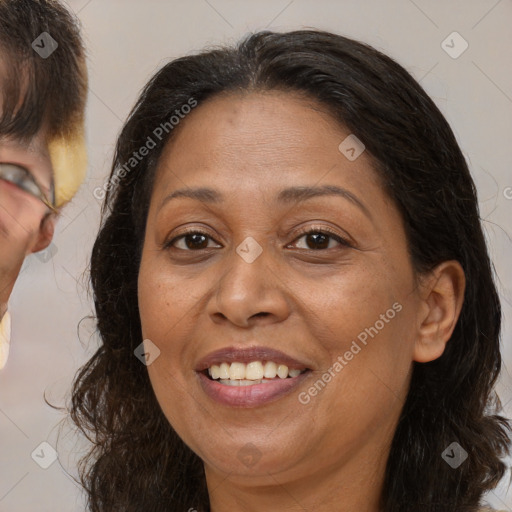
(247, 355)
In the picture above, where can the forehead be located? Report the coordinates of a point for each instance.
(260, 138)
(277, 119)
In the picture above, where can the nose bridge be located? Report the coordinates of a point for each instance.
(248, 285)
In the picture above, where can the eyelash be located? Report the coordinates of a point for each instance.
(306, 231)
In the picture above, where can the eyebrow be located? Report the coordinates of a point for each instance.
(287, 195)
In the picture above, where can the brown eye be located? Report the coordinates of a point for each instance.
(320, 239)
(317, 240)
(195, 240)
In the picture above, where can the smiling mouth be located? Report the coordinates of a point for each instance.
(250, 374)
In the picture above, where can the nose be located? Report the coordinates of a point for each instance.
(250, 293)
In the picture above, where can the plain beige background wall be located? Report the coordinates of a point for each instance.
(127, 41)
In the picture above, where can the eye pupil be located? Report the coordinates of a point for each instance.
(319, 240)
(194, 241)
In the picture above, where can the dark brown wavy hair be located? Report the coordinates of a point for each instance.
(34, 90)
(137, 461)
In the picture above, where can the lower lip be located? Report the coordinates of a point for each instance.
(252, 395)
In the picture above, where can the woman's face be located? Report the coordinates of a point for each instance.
(340, 303)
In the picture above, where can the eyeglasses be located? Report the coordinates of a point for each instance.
(23, 179)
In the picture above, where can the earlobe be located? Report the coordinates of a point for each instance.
(46, 231)
(442, 299)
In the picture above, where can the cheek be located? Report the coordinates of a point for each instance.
(169, 318)
(362, 318)
(165, 311)
(362, 328)
(20, 215)
(169, 305)
(159, 302)
(344, 303)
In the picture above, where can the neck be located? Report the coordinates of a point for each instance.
(348, 485)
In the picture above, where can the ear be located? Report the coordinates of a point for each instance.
(46, 231)
(442, 297)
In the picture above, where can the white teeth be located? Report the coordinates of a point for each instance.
(224, 371)
(215, 371)
(255, 372)
(282, 371)
(270, 370)
(237, 371)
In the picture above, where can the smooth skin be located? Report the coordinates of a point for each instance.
(305, 298)
(26, 223)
